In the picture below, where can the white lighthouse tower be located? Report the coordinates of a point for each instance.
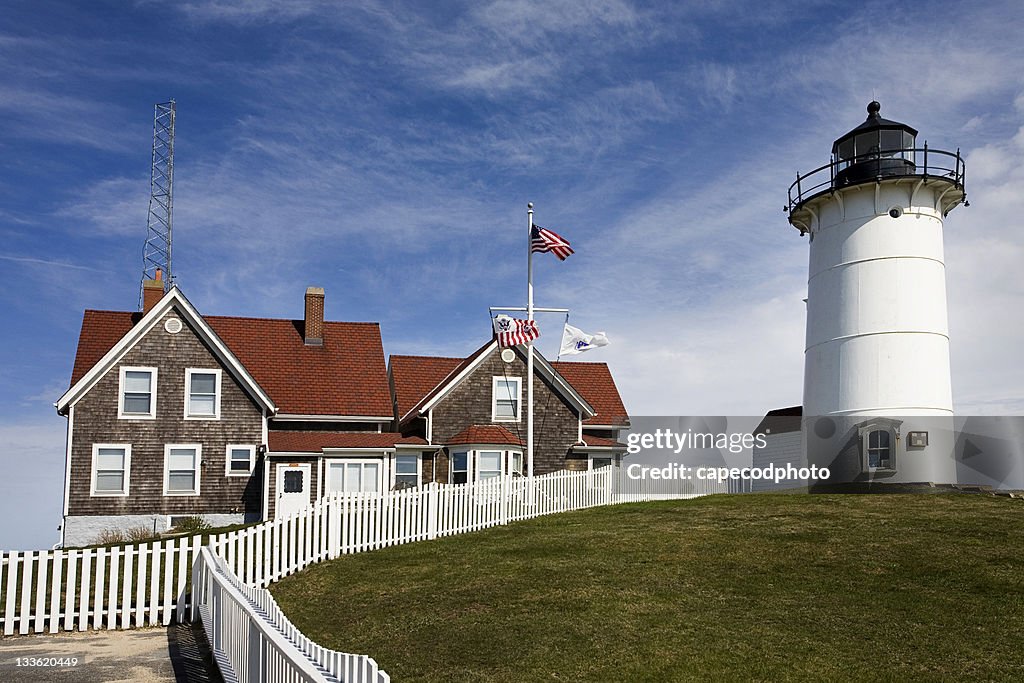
(877, 393)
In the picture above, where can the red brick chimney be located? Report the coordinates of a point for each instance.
(314, 316)
(152, 291)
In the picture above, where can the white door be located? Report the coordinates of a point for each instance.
(292, 488)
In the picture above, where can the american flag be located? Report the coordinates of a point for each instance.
(542, 239)
(512, 331)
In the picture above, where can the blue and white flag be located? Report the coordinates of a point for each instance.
(575, 340)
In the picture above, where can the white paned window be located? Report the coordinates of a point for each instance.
(354, 476)
(505, 399)
(407, 471)
(111, 464)
(182, 465)
(488, 464)
(878, 447)
(517, 463)
(599, 461)
(202, 394)
(240, 460)
(459, 468)
(137, 394)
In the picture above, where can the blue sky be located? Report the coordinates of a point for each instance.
(386, 151)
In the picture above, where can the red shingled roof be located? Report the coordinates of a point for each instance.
(594, 383)
(345, 376)
(415, 376)
(314, 442)
(459, 367)
(485, 434)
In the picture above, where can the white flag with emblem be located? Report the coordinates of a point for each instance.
(575, 340)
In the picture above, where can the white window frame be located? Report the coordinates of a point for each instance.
(228, 472)
(121, 414)
(512, 469)
(502, 454)
(865, 442)
(469, 453)
(127, 447)
(518, 398)
(419, 467)
(604, 456)
(188, 393)
(198, 468)
(345, 462)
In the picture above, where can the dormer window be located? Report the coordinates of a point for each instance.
(202, 394)
(137, 393)
(506, 395)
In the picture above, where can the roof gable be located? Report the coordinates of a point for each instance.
(345, 376)
(465, 369)
(100, 328)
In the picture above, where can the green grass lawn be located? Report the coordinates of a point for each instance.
(768, 587)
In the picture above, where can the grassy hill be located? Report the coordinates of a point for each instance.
(882, 587)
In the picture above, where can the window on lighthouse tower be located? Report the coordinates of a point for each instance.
(879, 449)
(878, 446)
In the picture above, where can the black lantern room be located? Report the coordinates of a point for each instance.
(875, 149)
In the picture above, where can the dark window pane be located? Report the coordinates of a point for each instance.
(892, 140)
(136, 403)
(867, 143)
(846, 149)
(293, 481)
(204, 383)
(459, 477)
(406, 481)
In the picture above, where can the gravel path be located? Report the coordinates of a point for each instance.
(178, 653)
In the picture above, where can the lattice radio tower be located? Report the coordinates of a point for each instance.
(156, 256)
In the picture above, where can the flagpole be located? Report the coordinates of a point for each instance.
(529, 345)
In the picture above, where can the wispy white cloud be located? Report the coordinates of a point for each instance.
(48, 263)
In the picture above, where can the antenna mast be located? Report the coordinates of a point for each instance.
(156, 255)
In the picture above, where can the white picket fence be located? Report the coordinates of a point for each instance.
(149, 583)
(252, 639)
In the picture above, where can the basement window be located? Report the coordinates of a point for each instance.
(137, 393)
